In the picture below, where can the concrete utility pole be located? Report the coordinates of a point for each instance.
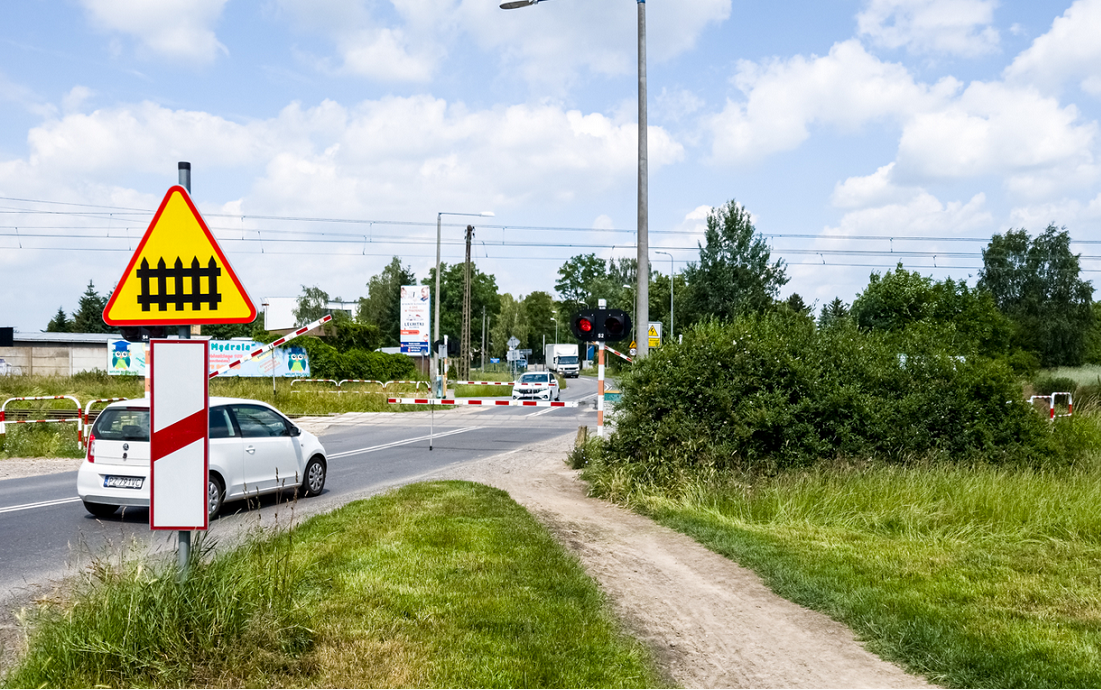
(642, 298)
(464, 366)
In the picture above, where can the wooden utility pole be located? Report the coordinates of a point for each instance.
(464, 356)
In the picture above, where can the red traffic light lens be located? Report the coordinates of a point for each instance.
(614, 326)
(585, 325)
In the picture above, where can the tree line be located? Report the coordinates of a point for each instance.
(1030, 303)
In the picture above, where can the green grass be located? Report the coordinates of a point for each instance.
(1089, 374)
(447, 584)
(973, 577)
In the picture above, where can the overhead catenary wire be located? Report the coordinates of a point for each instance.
(311, 236)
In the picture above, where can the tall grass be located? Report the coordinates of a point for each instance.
(973, 575)
(234, 620)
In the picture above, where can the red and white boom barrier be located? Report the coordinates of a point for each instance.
(1051, 404)
(271, 346)
(485, 403)
(78, 418)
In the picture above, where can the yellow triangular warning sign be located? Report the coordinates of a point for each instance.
(633, 346)
(653, 332)
(178, 274)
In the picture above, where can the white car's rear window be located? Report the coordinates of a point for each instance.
(122, 424)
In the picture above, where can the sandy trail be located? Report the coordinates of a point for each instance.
(710, 622)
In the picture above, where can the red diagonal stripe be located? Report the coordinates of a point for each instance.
(183, 433)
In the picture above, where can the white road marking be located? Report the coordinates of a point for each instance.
(542, 412)
(403, 442)
(40, 504)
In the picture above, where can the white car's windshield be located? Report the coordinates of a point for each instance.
(533, 378)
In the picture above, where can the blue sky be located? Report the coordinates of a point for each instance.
(850, 129)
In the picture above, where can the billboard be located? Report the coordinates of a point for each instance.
(287, 362)
(416, 307)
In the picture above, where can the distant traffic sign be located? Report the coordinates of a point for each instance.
(178, 275)
(653, 334)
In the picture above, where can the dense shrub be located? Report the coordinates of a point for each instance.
(772, 391)
(326, 362)
(1046, 385)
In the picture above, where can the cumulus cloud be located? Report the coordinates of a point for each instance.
(381, 154)
(407, 40)
(176, 29)
(931, 27)
(995, 129)
(1068, 51)
(846, 88)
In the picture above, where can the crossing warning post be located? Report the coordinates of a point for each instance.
(179, 444)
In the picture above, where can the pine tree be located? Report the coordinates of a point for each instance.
(60, 323)
(89, 314)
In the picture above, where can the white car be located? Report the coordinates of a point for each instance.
(254, 450)
(540, 385)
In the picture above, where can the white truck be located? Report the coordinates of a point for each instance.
(562, 360)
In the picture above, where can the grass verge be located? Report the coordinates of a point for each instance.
(446, 584)
(971, 576)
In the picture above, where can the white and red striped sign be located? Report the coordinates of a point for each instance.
(486, 403)
(178, 444)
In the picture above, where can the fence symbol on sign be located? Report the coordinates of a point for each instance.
(178, 273)
(159, 288)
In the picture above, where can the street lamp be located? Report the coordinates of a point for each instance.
(436, 320)
(642, 297)
(555, 326)
(670, 290)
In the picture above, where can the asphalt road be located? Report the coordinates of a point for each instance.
(46, 534)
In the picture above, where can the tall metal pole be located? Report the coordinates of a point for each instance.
(483, 338)
(464, 345)
(184, 552)
(642, 298)
(436, 320)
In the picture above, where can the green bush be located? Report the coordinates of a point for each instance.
(771, 391)
(1046, 385)
(326, 362)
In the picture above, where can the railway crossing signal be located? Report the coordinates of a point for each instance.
(601, 325)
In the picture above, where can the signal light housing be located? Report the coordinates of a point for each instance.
(595, 325)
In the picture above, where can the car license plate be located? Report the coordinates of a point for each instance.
(123, 482)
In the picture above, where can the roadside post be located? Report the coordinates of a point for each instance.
(178, 277)
(600, 325)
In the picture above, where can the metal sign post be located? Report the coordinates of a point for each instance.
(179, 439)
(600, 390)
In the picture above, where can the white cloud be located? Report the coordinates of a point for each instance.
(877, 189)
(846, 89)
(1070, 50)
(371, 42)
(953, 27)
(176, 29)
(382, 154)
(995, 129)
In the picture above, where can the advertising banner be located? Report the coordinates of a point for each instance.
(416, 308)
(126, 358)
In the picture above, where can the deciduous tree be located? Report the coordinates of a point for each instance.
(1036, 283)
(735, 273)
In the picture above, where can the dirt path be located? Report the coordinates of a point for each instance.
(710, 622)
